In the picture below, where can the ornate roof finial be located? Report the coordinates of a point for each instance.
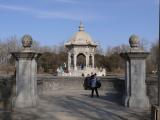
(81, 27)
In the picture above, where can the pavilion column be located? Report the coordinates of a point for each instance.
(75, 61)
(93, 61)
(69, 61)
(87, 60)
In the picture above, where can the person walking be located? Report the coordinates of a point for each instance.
(94, 85)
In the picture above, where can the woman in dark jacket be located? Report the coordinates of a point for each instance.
(94, 85)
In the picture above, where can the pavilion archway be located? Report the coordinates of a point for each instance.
(81, 60)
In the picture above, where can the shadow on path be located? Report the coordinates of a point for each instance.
(77, 105)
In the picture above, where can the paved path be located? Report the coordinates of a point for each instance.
(76, 105)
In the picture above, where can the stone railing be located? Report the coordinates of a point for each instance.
(46, 83)
(49, 83)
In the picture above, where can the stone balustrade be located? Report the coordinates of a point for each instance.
(47, 83)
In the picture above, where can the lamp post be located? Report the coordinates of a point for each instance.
(159, 72)
(155, 109)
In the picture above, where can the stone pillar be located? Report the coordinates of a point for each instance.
(93, 61)
(87, 60)
(26, 75)
(75, 61)
(155, 112)
(69, 61)
(135, 86)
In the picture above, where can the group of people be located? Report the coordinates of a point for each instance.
(92, 83)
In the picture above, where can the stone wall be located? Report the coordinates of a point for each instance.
(49, 83)
(152, 88)
(7, 91)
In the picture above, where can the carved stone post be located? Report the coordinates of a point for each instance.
(93, 61)
(155, 112)
(26, 75)
(69, 61)
(87, 60)
(75, 61)
(135, 87)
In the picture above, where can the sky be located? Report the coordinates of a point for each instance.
(54, 22)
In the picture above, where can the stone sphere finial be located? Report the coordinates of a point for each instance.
(134, 41)
(27, 41)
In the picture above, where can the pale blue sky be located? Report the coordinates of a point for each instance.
(51, 22)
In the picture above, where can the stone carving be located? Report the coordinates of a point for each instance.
(134, 41)
(27, 41)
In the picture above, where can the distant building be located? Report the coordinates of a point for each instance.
(81, 51)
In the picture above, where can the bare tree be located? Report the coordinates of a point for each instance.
(152, 60)
(6, 47)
